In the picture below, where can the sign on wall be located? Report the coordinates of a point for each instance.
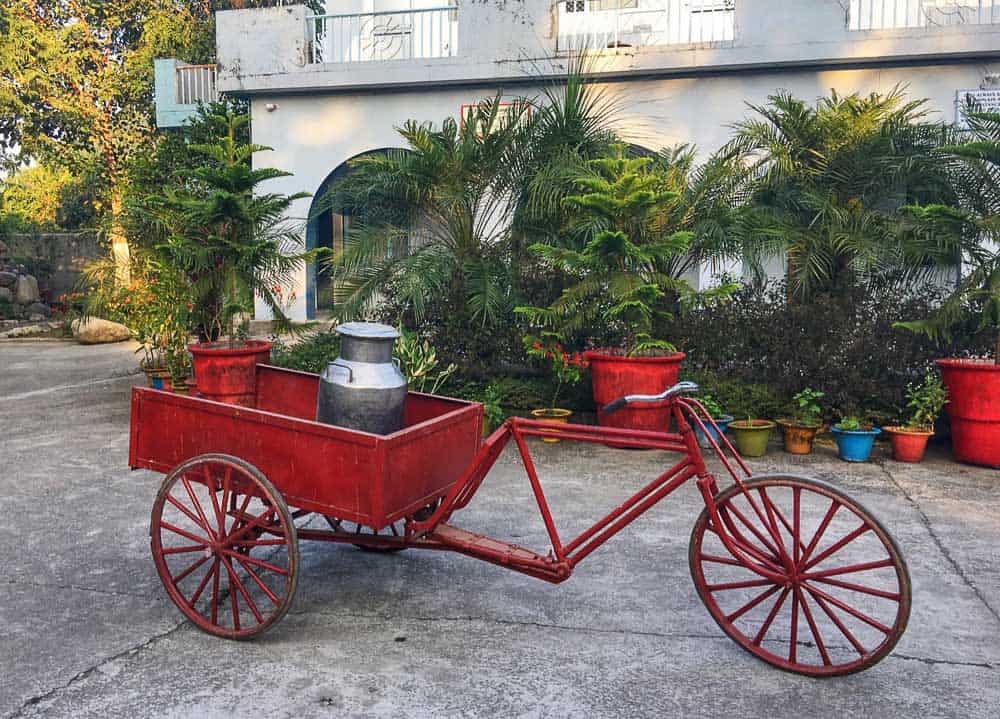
(983, 100)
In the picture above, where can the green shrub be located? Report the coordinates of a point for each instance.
(310, 354)
(756, 351)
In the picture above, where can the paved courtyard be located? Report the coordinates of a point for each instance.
(89, 632)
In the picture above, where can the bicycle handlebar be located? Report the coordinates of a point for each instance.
(679, 388)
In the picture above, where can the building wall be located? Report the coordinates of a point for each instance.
(314, 134)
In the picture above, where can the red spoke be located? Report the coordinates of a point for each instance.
(752, 603)
(196, 504)
(858, 646)
(856, 613)
(849, 569)
(215, 591)
(772, 530)
(219, 512)
(184, 550)
(794, 637)
(738, 585)
(860, 588)
(260, 583)
(744, 544)
(187, 512)
(812, 627)
(838, 545)
(184, 575)
(771, 510)
(756, 532)
(226, 482)
(233, 579)
(258, 542)
(252, 524)
(770, 618)
(257, 562)
(184, 533)
(820, 530)
(720, 560)
(796, 522)
(235, 604)
(213, 570)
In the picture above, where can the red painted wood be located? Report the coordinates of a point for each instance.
(356, 476)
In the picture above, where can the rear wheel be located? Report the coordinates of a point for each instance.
(839, 597)
(224, 546)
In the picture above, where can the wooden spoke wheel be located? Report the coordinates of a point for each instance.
(389, 532)
(224, 546)
(837, 598)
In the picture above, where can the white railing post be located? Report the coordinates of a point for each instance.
(890, 14)
(411, 34)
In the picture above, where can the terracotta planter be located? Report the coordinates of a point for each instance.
(751, 436)
(552, 416)
(798, 437)
(974, 408)
(615, 376)
(229, 374)
(908, 445)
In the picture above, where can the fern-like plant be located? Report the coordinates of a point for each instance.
(619, 279)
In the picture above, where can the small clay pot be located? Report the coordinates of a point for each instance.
(552, 415)
(908, 445)
(799, 437)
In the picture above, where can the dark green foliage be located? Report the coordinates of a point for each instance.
(310, 354)
(6, 310)
(844, 346)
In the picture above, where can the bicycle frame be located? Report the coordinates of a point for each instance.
(556, 566)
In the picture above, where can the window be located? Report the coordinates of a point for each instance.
(576, 5)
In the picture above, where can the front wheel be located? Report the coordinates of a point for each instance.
(838, 596)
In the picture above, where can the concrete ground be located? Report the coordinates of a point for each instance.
(87, 630)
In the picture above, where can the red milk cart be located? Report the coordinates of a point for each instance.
(793, 570)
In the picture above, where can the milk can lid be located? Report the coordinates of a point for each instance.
(368, 330)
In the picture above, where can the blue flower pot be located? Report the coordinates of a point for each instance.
(855, 446)
(723, 423)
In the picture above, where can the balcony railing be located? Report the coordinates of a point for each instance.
(390, 35)
(196, 83)
(889, 14)
(599, 24)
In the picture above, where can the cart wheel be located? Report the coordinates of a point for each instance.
(844, 598)
(419, 515)
(225, 546)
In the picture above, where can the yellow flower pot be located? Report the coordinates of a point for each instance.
(553, 416)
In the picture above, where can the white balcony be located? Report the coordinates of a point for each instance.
(893, 14)
(600, 24)
(412, 34)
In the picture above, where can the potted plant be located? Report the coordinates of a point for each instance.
(720, 418)
(973, 385)
(622, 282)
(909, 441)
(566, 368)
(234, 243)
(800, 431)
(751, 436)
(855, 439)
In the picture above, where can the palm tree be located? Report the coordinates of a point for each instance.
(973, 220)
(824, 185)
(432, 221)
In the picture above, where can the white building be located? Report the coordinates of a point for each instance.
(326, 89)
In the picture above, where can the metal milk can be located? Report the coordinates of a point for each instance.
(363, 388)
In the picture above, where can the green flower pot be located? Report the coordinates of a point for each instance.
(751, 436)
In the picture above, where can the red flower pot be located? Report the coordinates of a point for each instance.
(229, 374)
(615, 376)
(974, 408)
(908, 445)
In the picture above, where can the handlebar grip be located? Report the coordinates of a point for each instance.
(614, 406)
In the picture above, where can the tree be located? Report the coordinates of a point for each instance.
(433, 220)
(970, 224)
(825, 184)
(620, 284)
(232, 240)
(76, 87)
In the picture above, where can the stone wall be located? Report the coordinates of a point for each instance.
(55, 259)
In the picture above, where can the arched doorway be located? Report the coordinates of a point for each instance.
(326, 227)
